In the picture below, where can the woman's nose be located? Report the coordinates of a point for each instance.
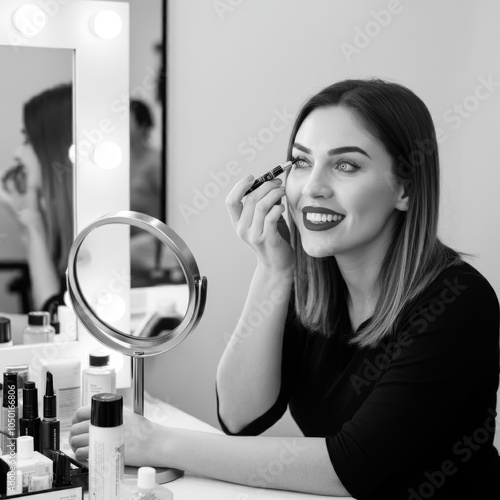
(319, 184)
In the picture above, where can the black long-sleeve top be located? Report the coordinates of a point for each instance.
(413, 418)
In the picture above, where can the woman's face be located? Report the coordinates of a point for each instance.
(341, 193)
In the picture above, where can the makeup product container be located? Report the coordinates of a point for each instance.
(145, 488)
(10, 413)
(50, 425)
(106, 447)
(39, 329)
(67, 380)
(23, 374)
(99, 377)
(29, 423)
(26, 461)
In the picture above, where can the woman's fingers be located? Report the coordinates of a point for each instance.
(82, 454)
(263, 208)
(83, 413)
(233, 199)
(257, 204)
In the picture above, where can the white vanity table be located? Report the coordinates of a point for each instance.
(189, 486)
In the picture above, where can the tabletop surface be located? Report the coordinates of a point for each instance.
(190, 486)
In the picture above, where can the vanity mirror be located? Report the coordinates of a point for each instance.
(30, 68)
(97, 127)
(175, 310)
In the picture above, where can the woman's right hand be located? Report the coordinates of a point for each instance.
(255, 220)
(24, 205)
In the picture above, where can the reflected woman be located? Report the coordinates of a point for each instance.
(381, 340)
(39, 191)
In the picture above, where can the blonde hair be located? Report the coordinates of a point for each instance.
(401, 121)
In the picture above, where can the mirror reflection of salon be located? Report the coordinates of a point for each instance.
(119, 289)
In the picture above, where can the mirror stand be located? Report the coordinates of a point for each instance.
(137, 346)
(163, 475)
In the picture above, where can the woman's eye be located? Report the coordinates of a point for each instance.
(301, 163)
(344, 166)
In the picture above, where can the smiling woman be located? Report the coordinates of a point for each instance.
(388, 346)
(381, 340)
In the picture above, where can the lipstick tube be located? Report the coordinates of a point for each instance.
(50, 425)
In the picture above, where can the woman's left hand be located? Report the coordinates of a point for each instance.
(139, 437)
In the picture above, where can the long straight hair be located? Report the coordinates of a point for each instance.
(48, 121)
(401, 121)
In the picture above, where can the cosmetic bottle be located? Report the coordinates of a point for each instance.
(40, 478)
(50, 425)
(5, 333)
(10, 413)
(106, 447)
(29, 423)
(99, 377)
(26, 461)
(23, 374)
(145, 488)
(38, 329)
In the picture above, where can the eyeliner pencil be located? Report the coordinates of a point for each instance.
(272, 174)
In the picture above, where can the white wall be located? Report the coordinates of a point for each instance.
(231, 72)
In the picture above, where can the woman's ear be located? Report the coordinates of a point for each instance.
(403, 197)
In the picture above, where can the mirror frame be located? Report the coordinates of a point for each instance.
(114, 338)
(101, 78)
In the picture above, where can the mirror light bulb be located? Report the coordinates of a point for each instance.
(106, 24)
(107, 155)
(29, 19)
(72, 154)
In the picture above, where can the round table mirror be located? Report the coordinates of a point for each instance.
(140, 293)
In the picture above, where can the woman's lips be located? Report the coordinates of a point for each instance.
(320, 218)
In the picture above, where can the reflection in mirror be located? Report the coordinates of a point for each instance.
(36, 214)
(154, 310)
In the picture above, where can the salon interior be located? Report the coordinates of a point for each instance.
(171, 103)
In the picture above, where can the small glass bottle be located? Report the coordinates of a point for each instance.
(99, 377)
(146, 488)
(38, 330)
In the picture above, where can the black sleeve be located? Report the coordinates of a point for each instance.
(444, 352)
(289, 371)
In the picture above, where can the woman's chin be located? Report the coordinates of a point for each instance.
(318, 252)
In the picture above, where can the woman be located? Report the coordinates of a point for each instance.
(39, 191)
(381, 339)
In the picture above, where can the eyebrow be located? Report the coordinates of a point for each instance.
(334, 151)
